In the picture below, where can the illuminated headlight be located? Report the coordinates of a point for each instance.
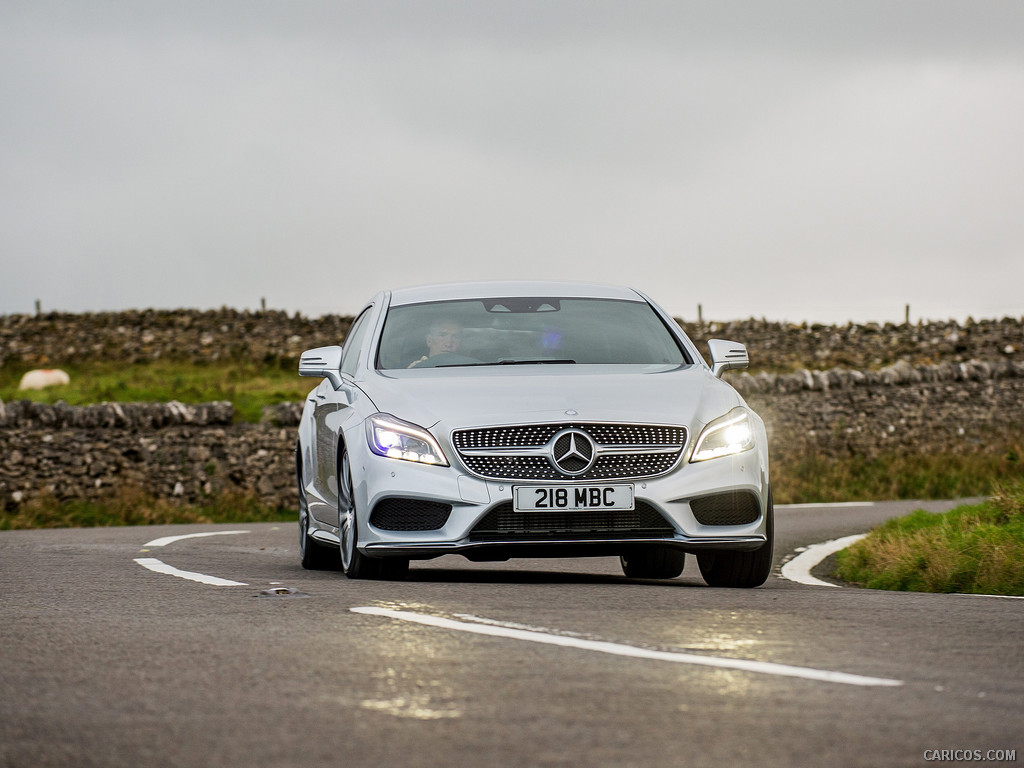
(725, 436)
(397, 439)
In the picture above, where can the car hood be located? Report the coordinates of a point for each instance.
(452, 398)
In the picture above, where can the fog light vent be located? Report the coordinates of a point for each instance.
(732, 508)
(409, 515)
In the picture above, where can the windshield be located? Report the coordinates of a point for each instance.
(523, 331)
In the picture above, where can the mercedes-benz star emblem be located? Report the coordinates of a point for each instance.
(572, 452)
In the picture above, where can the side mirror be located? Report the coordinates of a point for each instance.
(322, 363)
(727, 356)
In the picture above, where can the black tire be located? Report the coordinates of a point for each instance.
(354, 563)
(313, 555)
(744, 570)
(653, 562)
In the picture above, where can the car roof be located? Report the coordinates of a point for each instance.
(507, 288)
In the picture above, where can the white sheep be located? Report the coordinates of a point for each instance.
(44, 377)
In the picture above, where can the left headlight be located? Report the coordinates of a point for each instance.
(396, 439)
(725, 436)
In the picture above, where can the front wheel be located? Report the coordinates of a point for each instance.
(354, 563)
(727, 568)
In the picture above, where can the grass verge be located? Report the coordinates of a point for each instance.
(249, 386)
(816, 478)
(133, 506)
(972, 549)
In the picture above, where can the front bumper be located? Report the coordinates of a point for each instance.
(377, 478)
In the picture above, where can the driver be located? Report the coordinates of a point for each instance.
(443, 337)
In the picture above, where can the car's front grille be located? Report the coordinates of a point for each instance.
(503, 523)
(526, 452)
(409, 515)
(732, 508)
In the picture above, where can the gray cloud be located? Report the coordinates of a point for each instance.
(792, 160)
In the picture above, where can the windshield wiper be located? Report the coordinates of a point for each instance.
(542, 361)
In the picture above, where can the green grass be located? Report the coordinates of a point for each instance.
(972, 549)
(249, 386)
(132, 506)
(813, 477)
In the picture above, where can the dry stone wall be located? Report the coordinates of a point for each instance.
(55, 339)
(789, 347)
(174, 451)
(190, 452)
(928, 417)
(932, 387)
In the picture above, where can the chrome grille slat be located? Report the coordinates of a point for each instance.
(522, 452)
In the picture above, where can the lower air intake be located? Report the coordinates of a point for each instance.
(733, 508)
(409, 515)
(504, 524)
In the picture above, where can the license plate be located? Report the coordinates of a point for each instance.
(571, 498)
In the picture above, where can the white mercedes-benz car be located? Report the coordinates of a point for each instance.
(530, 419)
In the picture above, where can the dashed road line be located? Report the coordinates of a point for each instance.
(171, 539)
(161, 567)
(617, 649)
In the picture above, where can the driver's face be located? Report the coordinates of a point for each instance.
(444, 337)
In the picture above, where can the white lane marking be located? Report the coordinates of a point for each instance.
(1001, 597)
(161, 567)
(170, 539)
(832, 505)
(616, 649)
(799, 568)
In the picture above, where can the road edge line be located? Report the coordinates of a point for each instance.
(799, 568)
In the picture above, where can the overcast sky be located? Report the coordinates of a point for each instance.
(821, 161)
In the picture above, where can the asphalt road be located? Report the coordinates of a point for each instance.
(105, 662)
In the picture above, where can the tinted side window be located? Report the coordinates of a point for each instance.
(354, 343)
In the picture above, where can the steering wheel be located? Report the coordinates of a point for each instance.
(445, 358)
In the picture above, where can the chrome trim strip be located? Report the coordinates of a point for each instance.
(325, 537)
(637, 450)
(455, 547)
(512, 450)
(543, 452)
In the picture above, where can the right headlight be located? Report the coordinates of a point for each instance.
(725, 436)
